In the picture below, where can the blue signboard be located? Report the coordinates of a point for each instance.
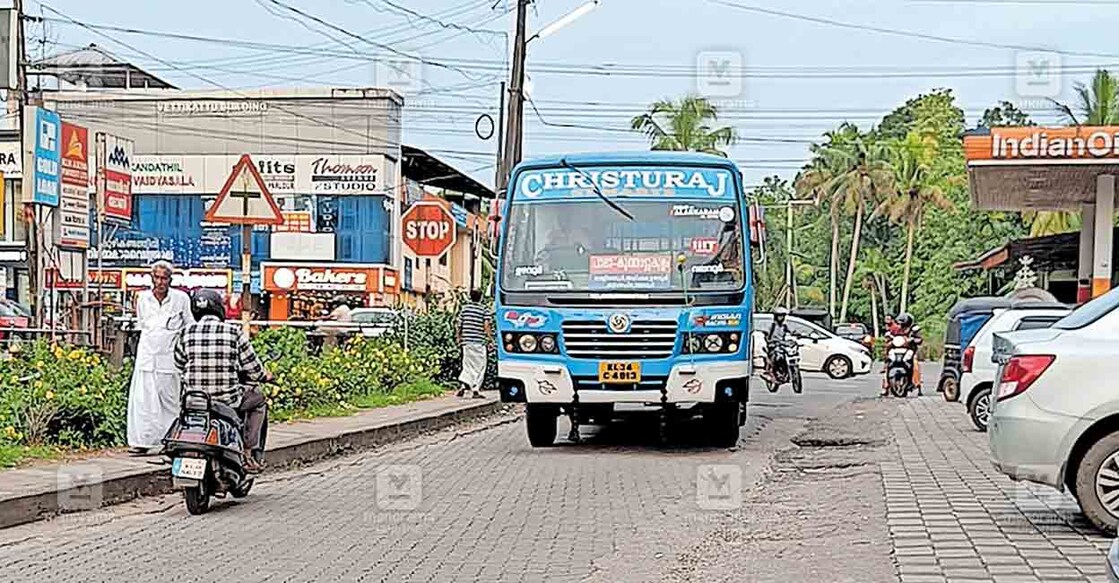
(48, 127)
(657, 182)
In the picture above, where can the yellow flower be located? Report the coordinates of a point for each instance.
(298, 391)
(14, 349)
(76, 354)
(50, 395)
(38, 364)
(10, 431)
(38, 384)
(82, 389)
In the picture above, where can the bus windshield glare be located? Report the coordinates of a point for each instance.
(572, 240)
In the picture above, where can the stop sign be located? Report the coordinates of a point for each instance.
(429, 230)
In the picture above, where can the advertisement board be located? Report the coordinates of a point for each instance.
(115, 155)
(322, 174)
(73, 218)
(45, 157)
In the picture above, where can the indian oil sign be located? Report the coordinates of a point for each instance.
(1044, 144)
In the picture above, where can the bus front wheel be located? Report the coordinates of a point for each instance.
(722, 419)
(541, 423)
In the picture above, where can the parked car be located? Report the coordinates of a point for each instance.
(13, 315)
(964, 321)
(854, 332)
(820, 349)
(373, 322)
(1055, 417)
(977, 377)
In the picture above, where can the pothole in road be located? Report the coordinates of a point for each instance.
(835, 441)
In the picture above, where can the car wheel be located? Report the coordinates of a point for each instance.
(1097, 483)
(979, 409)
(838, 367)
(951, 389)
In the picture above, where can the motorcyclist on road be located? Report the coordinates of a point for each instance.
(216, 357)
(904, 325)
(775, 337)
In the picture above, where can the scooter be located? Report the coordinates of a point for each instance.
(785, 367)
(205, 447)
(900, 360)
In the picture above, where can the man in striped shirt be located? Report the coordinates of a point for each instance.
(473, 330)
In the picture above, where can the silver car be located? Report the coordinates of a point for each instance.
(1055, 417)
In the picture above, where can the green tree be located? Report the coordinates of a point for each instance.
(918, 186)
(686, 124)
(1004, 114)
(818, 182)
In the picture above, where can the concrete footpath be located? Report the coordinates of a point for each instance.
(45, 490)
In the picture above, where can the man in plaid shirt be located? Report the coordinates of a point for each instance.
(217, 358)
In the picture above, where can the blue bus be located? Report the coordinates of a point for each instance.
(624, 284)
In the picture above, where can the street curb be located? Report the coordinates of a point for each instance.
(157, 481)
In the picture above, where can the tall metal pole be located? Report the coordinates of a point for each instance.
(29, 214)
(102, 156)
(789, 255)
(514, 134)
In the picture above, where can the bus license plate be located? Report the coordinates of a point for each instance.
(187, 467)
(619, 372)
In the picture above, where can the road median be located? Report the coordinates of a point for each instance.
(46, 490)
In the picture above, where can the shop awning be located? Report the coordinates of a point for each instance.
(1049, 253)
(428, 170)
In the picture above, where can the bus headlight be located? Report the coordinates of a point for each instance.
(547, 343)
(527, 343)
(713, 343)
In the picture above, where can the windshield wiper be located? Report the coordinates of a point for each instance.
(597, 190)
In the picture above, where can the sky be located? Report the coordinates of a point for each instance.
(793, 69)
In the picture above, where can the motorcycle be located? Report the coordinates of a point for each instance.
(901, 356)
(785, 367)
(205, 446)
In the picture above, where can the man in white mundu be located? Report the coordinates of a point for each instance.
(153, 398)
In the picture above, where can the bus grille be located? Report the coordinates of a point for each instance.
(646, 339)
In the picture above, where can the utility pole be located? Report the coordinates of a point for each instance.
(499, 176)
(30, 215)
(514, 121)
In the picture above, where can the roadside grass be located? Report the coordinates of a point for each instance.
(12, 456)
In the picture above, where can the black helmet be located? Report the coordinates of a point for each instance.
(904, 320)
(206, 302)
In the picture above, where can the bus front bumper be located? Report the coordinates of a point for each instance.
(701, 382)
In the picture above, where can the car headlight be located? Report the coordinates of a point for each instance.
(527, 343)
(547, 344)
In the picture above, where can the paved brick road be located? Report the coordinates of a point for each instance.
(952, 516)
(475, 505)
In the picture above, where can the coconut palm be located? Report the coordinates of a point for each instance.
(684, 125)
(1045, 223)
(916, 186)
(1097, 105)
(849, 172)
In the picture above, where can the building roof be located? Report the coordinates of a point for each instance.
(95, 67)
(1052, 252)
(428, 170)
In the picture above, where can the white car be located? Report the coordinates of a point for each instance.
(1055, 416)
(820, 350)
(373, 322)
(978, 370)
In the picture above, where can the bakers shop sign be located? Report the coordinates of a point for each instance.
(321, 278)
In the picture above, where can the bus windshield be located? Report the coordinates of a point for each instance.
(586, 245)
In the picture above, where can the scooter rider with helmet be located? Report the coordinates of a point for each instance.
(775, 337)
(904, 325)
(216, 357)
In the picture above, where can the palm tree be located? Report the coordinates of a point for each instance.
(851, 170)
(917, 185)
(684, 125)
(1096, 105)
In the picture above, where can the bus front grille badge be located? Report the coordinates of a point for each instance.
(618, 323)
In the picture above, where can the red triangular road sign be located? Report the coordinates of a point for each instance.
(244, 200)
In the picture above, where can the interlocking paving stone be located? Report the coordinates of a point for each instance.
(980, 524)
